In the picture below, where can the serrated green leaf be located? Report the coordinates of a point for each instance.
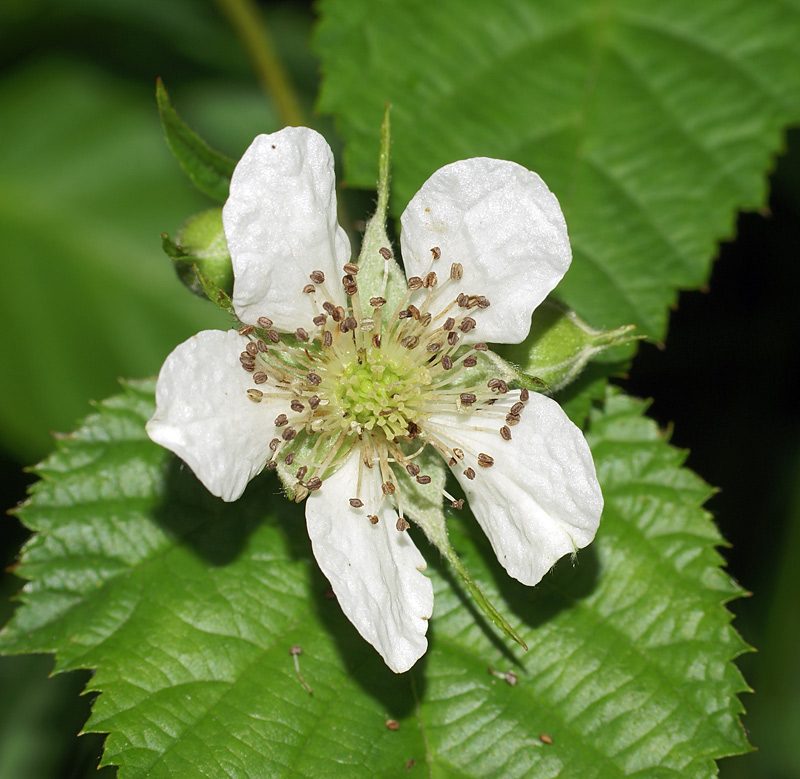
(208, 170)
(188, 607)
(652, 122)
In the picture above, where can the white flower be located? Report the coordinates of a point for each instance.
(348, 395)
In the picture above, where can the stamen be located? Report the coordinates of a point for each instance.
(317, 276)
(485, 460)
(264, 323)
(436, 252)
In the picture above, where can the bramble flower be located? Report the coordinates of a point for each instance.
(362, 390)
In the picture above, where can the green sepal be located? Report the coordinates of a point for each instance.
(216, 295)
(423, 504)
(560, 344)
(379, 275)
(208, 170)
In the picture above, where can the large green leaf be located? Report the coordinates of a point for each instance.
(652, 122)
(188, 609)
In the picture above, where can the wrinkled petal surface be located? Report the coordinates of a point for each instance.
(373, 569)
(204, 416)
(280, 224)
(502, 223)
(541, 499)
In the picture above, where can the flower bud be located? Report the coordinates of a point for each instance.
(201, 242)
(560, 344)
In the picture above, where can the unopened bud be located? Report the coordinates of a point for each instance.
(201, 242)
(560, 344)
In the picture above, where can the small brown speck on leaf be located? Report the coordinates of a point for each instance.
(546, 738)
(392, 724)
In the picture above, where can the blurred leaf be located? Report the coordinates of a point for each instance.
(207, 169)
(652, 122)
(188, 607)
(88, 186)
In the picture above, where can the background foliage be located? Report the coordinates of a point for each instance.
(89, 186)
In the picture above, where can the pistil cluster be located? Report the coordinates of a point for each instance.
(369, 377)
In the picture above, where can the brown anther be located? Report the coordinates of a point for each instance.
(470, 362)
(426, 318)
(347, 279)
(469, 473)
(485, 460)
(456, 271)
(404, 314)
(483, 302)
(376, 340)
(289, 434)
(431, 280)
(281, 420)
(289, 459)
(423, 479)
(314, 379)
(433, 348)
(467, 324)
(402, 524)
(462, 299)
(480, 347)
(458, 504)
(350, 268)
(351, 289)
(244, 357)
(447, 362)
(467, 398)
(329, 307)
(377, 302)
(385, 253)
(356, 503)
(320, 320)
(260, 377)
(458, 453)
(313, 401)
(317, 276)
(410, 341)
(505, 433)
(512, 419)
(300, 334)
(273, 444)
(248, 366)
(309, 289)
(351, 323)
(517, 408)
(373, 519)
(502, 387)
(414, 311)
(313, 484)
(414, 283)
(271, 465)
(388, 488)
(413, 430)
(338, 314)
(251, 349)
(412, 469)
(264, 323)
(297, 406)
(449, 323)
(255, 395)
(246, 329)
(452, 338)
(261, 345)
(524, 394)
(452, 461)
(327, 338)
(273, 336)
(301, 472)
(436, 252)
(493, 384)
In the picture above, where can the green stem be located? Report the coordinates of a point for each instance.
(249, 26)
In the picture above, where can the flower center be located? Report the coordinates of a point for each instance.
(373, 381)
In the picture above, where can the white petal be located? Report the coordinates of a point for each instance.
(502, 223)
(204, 416)
(280, 224)
(541, 499)
(373, 569)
